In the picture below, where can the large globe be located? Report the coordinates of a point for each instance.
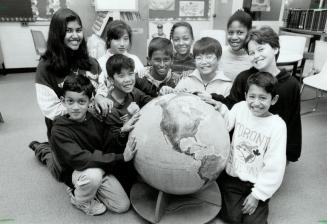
(182, 143)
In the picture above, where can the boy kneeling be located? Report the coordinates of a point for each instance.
(78, 142)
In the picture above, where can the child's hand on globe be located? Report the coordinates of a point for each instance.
(129, 125)
(130, 149)
(133, 108)
(166, 90)
(204, 95)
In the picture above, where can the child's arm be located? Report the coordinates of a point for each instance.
(292, 118)
(274, 161)
(130, 149)
(102, 103)
(236, 94)
(146, 86)
(69, 152)
(47, 99)
(141, 98)
(183, 85)
(228, 115)
(119, 127)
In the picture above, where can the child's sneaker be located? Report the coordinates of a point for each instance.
(93, 207)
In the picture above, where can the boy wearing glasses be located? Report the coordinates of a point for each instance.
(207, 78)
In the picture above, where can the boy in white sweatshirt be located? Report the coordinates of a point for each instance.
(256, 165)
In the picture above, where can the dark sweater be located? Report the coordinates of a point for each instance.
(146, 83)
(80, 145)
(117, 139)
(181, 65)
(287, 106)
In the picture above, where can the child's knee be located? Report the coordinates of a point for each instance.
(92, 178)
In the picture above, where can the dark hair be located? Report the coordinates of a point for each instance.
(160, 44)
(61, 58)
(264, 80)
(178, 24)
(78, 83)
(207, 45)
(118, 62)
(264, 35)
(242, 17)
(117, 29)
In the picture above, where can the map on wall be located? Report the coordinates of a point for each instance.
(179, 9)
(260, 5)
(191, 8)
(168, 5)
(44, 9)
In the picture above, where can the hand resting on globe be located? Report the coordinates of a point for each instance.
(129, 124)
(130, 149)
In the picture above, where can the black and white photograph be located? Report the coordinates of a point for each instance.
(163, 111)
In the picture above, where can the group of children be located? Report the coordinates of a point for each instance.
(91, 152)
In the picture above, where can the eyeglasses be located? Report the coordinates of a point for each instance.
(205, 57)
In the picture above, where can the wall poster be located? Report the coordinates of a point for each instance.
(179, 9)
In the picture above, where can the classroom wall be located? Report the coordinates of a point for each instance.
(301, 4)
(17, 44)
(16, 41)
(237, 4)
(18, 47)
(86, 11)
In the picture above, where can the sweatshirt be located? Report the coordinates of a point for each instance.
(183, 65)
(257, 150)
(150, 86)
(115, 122)
(80, 145)
(220, 84)
(287, 106)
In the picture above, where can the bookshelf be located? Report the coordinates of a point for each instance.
(307, 19)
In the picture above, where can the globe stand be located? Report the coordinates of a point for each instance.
(158, 207)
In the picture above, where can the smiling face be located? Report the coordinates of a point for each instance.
(259, 100)
(161, 63)
(77, 105)
(262, 56)
(124, 81)
(207, 64)
(182, 40)
(121, 45)
(74, 35)
(236, 35)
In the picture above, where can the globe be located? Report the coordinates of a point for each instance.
(182, 142)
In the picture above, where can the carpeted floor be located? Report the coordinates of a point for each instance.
(28, 194)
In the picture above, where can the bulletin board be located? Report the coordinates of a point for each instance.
(266, 15)
(179, 9)
(15, 11)
(43, 10)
